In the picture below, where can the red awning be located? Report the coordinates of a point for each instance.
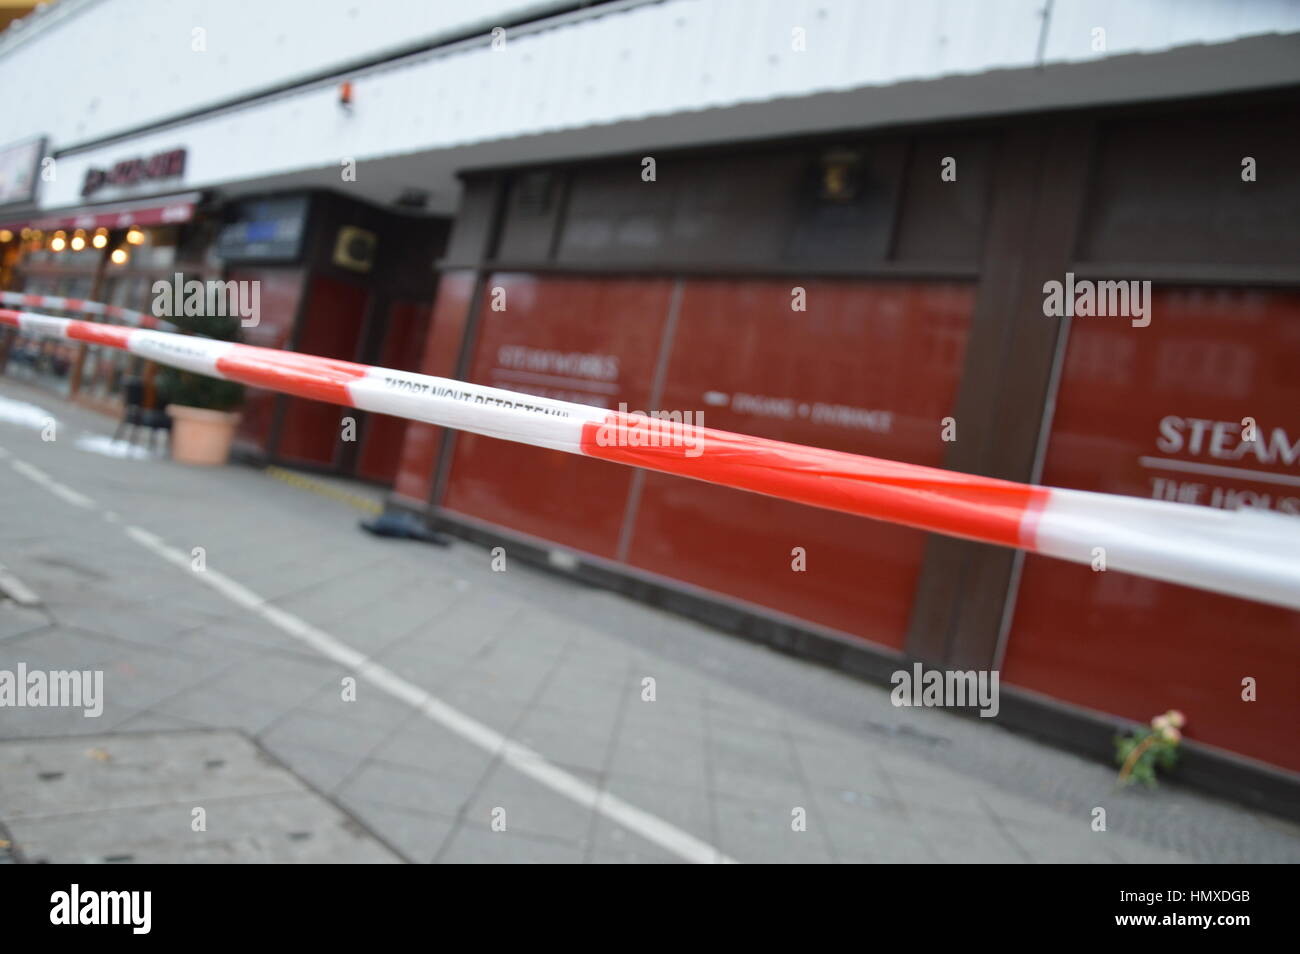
(164, 210)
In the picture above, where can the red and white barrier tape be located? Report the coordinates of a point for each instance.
(1244, 553)
(139, 319)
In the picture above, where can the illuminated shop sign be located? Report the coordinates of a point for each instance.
(129, 172)
(267, 230)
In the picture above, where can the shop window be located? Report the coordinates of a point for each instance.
(1158, 412)
(614, 216)
(735, 211)
(469, 238)
(281, 289)
(1172, 190)
(945, 200)
(869, 368)
(833, 206)
(847, 205)
(592, 341)
(532, 214)
(404, 331)
(440, 357)
(331, 328)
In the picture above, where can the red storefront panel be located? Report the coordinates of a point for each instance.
(870, 368)
(330, 327)
(442, 345)
(404, 331)
(1157, 412)
(279, 291)
(589, 340)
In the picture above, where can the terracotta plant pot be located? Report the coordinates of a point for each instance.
(200, 436)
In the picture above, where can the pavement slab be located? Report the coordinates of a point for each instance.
(137, 798)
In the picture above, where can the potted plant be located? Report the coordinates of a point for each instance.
(202, 409)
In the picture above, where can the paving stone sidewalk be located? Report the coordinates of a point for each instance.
(738, 743)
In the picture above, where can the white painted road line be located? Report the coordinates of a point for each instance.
(67, 494)
(519, 757)
(16, 589)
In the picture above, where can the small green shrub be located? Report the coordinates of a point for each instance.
(189, 389)
(1143, 750)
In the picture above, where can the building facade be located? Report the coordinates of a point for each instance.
(831, 223)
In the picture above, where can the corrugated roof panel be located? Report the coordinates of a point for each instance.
(687, 59)
(1157, 25)
(116, 64)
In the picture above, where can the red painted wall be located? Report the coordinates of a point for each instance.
(1147, 412)
(593, 341)
(869, 368)
(381, 446)
(442, 343)
(331, 327)
(280, 290)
